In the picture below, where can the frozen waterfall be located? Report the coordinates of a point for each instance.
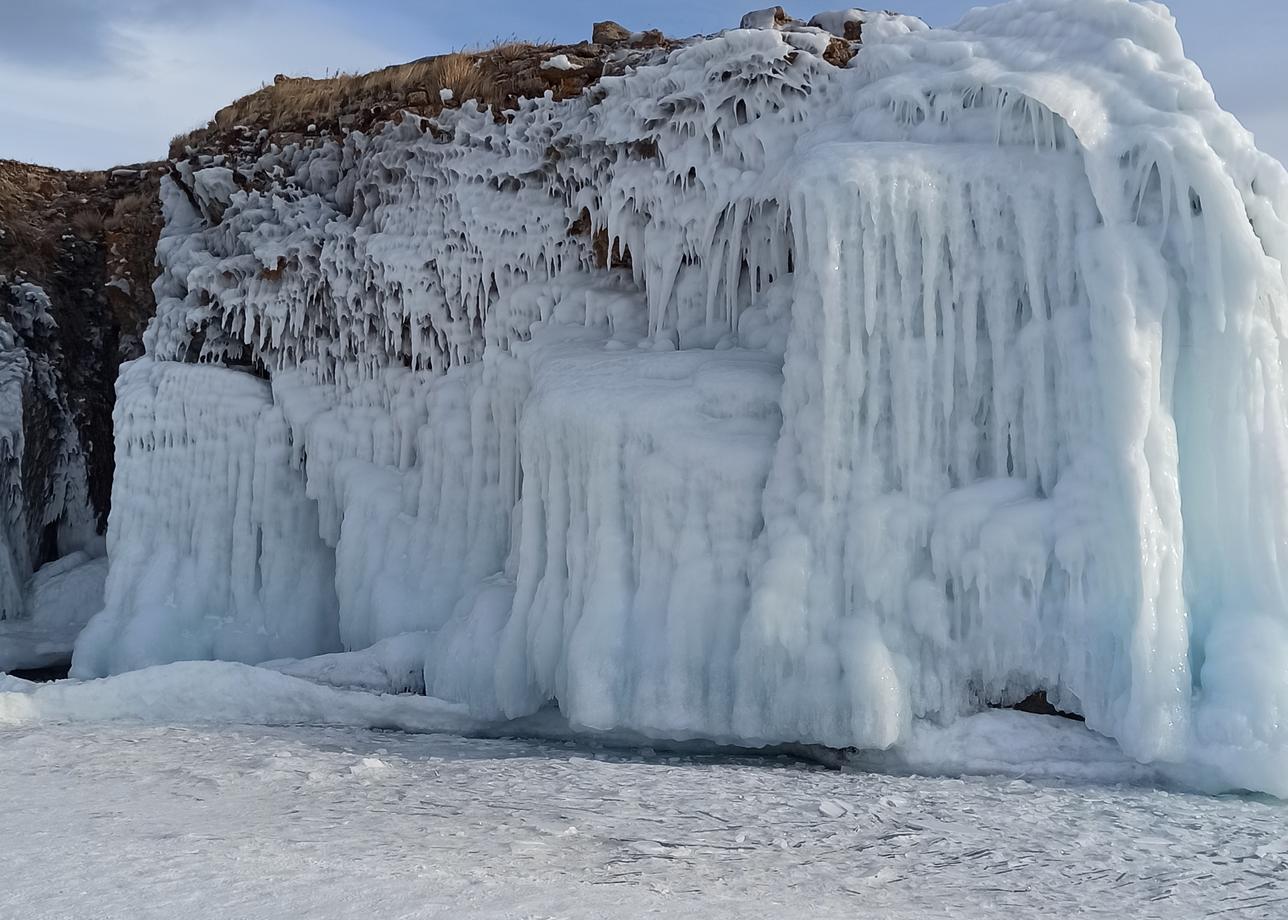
(746, 397)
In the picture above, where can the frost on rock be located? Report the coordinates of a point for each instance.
(44, 497)
(867, 25)
(746, 396)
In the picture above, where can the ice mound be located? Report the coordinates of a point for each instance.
(221, 691)
(61, 598)
(747, 397)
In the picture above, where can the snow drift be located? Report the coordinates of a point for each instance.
(746, 397)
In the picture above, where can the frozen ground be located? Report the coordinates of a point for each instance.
(133, 820)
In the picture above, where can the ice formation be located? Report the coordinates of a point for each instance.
(60, 599)
(214, 548)
(746, 397)
(44, 499)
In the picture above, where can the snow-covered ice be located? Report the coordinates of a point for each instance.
(222, 822)
(223, 691)
(393, 665)
(746, 398)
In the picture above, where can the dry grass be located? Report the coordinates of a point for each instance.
(39, 206)
(126, 209)
(291, 103)
(87, 223)
(23, 191)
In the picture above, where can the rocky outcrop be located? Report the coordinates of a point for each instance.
(77, 252)
(307, 111)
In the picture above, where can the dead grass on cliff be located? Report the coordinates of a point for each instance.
(22, 242)
(87, 223)
(125, 209)
(293, 102)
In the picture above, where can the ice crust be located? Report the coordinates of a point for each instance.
(930, 381)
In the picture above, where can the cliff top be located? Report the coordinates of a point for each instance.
(296, 109)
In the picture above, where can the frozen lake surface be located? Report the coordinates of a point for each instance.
(127, 820)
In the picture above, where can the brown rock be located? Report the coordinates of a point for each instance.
(839, 51)
(609, 33)
(772, 17)
(650, 39)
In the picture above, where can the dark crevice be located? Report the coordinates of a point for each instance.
(44, 675)
(1038, 704)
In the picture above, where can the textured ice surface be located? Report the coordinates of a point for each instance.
(747, 398)
(337, 824)
(393, 665)
(61, 598)
(214, 548)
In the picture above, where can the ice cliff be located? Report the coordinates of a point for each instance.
(745, 396)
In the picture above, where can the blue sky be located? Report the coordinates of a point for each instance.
(93, 83)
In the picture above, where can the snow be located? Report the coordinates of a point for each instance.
(760, 19)
(222, 691)
(874, 25)
(393, 665)
(11, 684)
(218, 821)
(931, 381)
(559, 62)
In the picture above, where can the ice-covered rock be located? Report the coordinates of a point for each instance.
(867, 25)
(44, 491)
(747, 397)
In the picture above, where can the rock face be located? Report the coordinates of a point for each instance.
(609, 33)
(304, 111)
(77, 253)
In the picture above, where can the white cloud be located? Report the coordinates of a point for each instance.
(168, 76)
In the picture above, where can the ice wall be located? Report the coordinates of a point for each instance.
(214, 549)
(747, 397)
